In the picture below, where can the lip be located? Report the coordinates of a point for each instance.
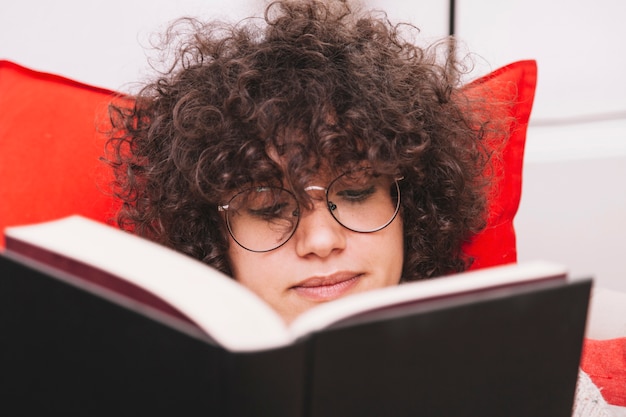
(328, 287)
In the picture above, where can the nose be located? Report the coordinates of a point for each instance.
(318, 233)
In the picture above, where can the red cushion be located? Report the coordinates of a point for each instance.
(49, 148)
(508, 95)
(605, 363)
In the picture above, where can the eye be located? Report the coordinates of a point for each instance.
(270, 212)
(356, 194)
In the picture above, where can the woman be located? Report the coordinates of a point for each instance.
(312, 154)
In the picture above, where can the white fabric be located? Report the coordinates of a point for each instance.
(589, 401)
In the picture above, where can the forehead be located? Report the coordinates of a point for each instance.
(295, 158)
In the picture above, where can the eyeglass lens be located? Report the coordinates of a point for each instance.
(261, 219)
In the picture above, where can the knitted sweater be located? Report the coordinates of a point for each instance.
(589, 401)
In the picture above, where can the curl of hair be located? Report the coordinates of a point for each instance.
(321, 86)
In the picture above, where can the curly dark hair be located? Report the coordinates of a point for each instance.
(321, 85)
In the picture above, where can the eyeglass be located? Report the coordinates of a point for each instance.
(261, 219)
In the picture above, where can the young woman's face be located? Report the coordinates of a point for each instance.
(322, 261)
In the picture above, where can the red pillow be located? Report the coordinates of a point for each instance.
(49, 148)
(508, 95)
(50, 145)
(605, 363)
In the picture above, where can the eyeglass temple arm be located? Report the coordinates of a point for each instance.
(314, 188)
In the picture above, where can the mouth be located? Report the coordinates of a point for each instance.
(331, 287)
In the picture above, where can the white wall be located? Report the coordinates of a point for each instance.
(578, 44)
(573, 201)
(573, 212)
(573, 206)
(105, 42)
(96, 41)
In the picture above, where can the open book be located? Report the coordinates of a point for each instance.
(519, 318)
(141, 275)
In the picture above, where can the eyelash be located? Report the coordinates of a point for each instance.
(356, 195)
(268, 212)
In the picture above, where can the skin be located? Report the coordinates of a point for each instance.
(322, 261)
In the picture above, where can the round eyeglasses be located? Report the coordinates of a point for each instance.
(261, 219)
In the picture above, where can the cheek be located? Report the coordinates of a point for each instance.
(240, 262)
(395, 249)
(260, 272)
(384, 253)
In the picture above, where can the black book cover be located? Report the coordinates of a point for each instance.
(68, 352)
